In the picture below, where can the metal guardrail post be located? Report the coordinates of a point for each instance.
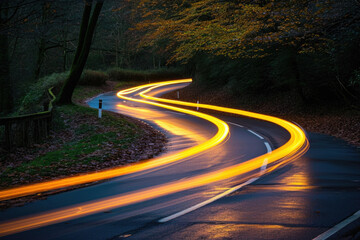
(37, 125)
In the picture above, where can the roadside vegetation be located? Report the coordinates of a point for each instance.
(293, 59)
(91, 83)
(343, 123)
(80, 142)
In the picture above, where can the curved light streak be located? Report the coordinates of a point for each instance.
(297, 136)
(223, 130)
(105, 204)
(296, 146)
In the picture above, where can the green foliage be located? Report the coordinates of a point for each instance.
(118, 74)
(281, 71)
(256, 46)
(35, 98)
(241, 75)
(82, 93)
(87, 138)
(274, 73)
(93, 78)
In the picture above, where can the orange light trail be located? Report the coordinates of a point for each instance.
(297, 136)
(82, 210)
(223, 130)
(296, 146)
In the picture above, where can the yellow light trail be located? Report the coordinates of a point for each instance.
(223, 130)
(82, 210)
(297, 136)
(296, 146)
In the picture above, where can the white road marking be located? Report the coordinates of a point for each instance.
(199, 205)
(255, 134)
(338, 226)
(268, 148)
(227, 192)
(238, 125)
(264, 165)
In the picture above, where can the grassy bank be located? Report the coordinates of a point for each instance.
(94, 82)
(80, 142)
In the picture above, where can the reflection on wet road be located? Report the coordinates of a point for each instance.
(202, 162)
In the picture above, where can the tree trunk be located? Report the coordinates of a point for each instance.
(5, 82)
(64, 58)
(65, 46)
(83, 28)
(86, 34)
(298, 83)
(40, 59)
(41, 48)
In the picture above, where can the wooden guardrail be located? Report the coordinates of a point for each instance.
(25, 130)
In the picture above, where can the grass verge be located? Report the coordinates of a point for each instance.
(81, 143)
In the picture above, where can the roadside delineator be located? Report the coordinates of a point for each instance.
(100, 107)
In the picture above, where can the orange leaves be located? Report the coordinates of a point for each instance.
(232, 29)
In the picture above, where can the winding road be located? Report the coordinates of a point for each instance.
(208, 159)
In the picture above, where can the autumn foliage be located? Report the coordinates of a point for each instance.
(319, 31)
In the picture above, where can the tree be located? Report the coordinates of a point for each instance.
(87, 29)
(9, 17)
(5, 84)
(253, 29)
(232, 28)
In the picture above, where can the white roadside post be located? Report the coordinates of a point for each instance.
(197, 108)
(100, 107)
(178, 94)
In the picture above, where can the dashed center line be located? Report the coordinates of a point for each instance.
(235, 124)
(263, 167)
(199, 205)
(227, 192)
(268, 148)
(255, 134)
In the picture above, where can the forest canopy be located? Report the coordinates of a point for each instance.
(310, 47)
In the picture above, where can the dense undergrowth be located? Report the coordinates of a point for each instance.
(314, 78)
(79, 141)
(36, 96)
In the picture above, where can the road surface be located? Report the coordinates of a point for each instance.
(290, 202)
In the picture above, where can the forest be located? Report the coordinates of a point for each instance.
(268, 126)
(307, 48)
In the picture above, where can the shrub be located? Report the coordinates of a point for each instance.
(37, 95)
(93, 78)
(118, 74)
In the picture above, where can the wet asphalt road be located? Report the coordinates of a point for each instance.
(298, 201)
